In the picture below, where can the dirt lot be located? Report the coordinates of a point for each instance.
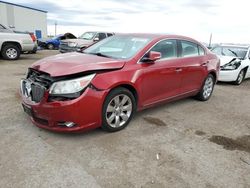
(181, 144)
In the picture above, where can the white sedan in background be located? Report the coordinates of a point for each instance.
(235, 63)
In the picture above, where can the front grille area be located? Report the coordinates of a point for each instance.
(35, 85)
(37, 92)
(42, 79)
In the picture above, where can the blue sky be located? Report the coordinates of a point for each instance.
(227, 20)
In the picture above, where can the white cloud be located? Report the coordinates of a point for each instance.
(227, 20)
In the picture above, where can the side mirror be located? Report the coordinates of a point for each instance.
(152, 57)
(96, 39)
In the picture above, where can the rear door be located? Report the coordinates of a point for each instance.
(193, 66)
(161, 80)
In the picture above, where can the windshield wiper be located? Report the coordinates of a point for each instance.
(233, 52)
(100, 54)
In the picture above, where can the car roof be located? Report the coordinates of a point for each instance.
(159, 36)
(98, 32)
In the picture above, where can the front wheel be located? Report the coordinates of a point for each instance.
(118, 109)
(240, 77)
(207, 88)
(50, 46)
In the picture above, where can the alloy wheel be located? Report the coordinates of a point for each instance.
(119, 110)
(208, 87)
(50, 46)
(240, 77)
(11, 53)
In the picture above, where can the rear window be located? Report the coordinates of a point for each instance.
(189, 49)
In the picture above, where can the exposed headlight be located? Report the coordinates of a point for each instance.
(70, 86)
(72, 44)
(232, 65)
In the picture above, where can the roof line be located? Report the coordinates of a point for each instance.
(22, 6)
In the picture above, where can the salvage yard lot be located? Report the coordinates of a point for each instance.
(180, 144)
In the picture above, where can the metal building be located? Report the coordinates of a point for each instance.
(23, 18)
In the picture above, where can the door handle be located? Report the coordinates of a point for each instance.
(178, 69)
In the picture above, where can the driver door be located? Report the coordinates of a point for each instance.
(161, 79)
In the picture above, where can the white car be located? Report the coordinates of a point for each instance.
(235, 63)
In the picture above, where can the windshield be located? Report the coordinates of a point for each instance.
(87, 35)
(118, 47)
(239, 52)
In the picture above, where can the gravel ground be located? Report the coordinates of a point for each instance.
(180, 144)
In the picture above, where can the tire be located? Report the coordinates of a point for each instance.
(34, 50)
(50, 46)
(114, 116)
(207, 88)
(11, 52)
(240, 77)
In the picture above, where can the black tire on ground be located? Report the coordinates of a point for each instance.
(120, 93)
(208, 85)
(240, 77)
(10, 52)
(34, 50)
(50, 46)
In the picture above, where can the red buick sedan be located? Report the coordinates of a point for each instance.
(104, 85)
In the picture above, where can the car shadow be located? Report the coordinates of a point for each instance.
(140, 114)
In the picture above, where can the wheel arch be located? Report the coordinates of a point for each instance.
(213, 73)
(246, 68)
(12, 42)
(129, 87)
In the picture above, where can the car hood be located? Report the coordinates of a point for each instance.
(80, 42)
(226, 59)
(73, 63)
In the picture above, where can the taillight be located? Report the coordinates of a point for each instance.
(33, 37)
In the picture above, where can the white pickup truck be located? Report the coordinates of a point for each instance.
(13, 44)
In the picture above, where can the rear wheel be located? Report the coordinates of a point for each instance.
(207, 88)
(11, 52)
(240, 77)
(118, 109)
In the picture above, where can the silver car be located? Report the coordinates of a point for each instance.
(85, 40)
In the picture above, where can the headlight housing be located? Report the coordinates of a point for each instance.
(72, 44)
(233, 65)
(70, 86)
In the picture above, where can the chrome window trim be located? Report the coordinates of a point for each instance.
(139, 61)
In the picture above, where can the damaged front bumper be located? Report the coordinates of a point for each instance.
(85, 111)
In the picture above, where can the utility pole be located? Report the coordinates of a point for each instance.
(55, 27)
(210, 40)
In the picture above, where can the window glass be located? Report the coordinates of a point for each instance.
(189, 49)
(87, 35)
(234, 52)
(109, 34)
(167, 48)
(201, 51)
(101, 36)
(120, 47)
(217, 50)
